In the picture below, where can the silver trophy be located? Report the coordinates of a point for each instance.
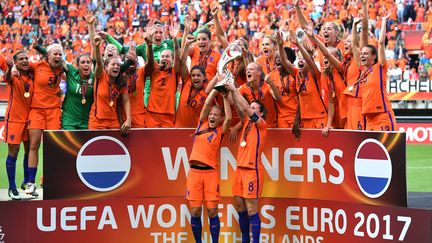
(232, 52)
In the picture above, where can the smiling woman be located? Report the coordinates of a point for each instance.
(45, 109)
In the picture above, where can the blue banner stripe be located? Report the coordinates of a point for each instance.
(372, 185)
(103, 179)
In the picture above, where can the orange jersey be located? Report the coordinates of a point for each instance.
(136, 92)
(190, 105)
(3, 63)
(263, 95)
(350, 70)
(337, 84)
(287, 105)
(209, 60)
(18, 105)
(309, 90)
(206, 145)
(163, 87)
(104, 93)
(47, 93)
(249, 156)
(266, 64)
(374, 90)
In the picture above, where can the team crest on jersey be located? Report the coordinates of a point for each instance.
(12, 137)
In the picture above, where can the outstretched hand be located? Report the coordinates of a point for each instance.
(10, 62)
(97, 40)
(190, 39)
(358, 19)
(279, 39)
(293, 37)
(131, 55)
(174, 30)
(89, 17)
(102, 33)
(34, 41)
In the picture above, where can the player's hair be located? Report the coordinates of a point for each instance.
(15, 56)
(80, 56)
(263, 109)
(272, 38)
(201, 69)
(373, 52)
(205, 31)
(290, 54)
(54, 46)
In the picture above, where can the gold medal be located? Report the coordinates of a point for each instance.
(350, 88)
(26, 94)
(111, 103)
(333, 94)
(243, 143)
(83, 101)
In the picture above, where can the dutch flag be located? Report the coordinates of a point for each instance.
(103, 163)
(373, 168)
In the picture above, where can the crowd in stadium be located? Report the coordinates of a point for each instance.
(126, 64)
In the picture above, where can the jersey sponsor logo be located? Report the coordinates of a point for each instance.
(373, 168)
(103, 163)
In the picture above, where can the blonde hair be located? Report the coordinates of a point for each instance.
(54, 46)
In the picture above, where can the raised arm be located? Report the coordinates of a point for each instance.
(365, 25)
(333, 60)
(149, 67)
(174, 30)
(96, 42)
(228, 114)
(274, 90)
(8, 74)
(283, 57)
(34, 45)
(314, 69)
(381, 40)
(90, 19)
(301, 18)
(220, 34)
(187, 26)
(355, 41)
(184, 71)
(208, 104)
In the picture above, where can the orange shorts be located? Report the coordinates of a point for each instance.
(384, 121)
(15, 132)
(355, 119)
(284, 123)
(318, 123)
(248, 183)
(44, 118)
(159, 120)
(138, 120)
(97, 124)
(203, 185)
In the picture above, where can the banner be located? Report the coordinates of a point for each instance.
(417, 133)
(168, 220)
(348, 166)
(410, 89)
